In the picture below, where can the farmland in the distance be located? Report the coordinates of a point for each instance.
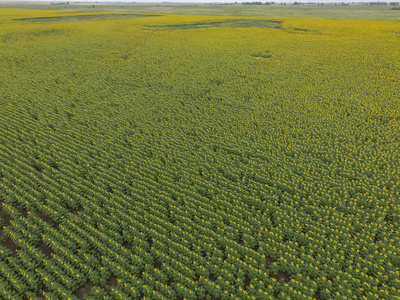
(198, 157)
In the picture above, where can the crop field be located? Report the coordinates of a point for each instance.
(158, 156)
(345, 12)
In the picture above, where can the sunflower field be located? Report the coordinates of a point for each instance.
(198, 157)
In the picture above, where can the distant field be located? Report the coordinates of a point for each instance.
(227, 23)
(85, 17)
(359, 12)
(174, 156)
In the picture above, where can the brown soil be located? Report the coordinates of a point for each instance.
(227, 23)
(6, 241)
(76, 211)
(158, 264)
(84, 290)
(112, 281)
(317, 296)
(84, 18)
(6, 218)
(283, 275)
(47, 219)
(45, 249)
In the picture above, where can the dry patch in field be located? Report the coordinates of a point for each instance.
(227, 23)
(84, 18)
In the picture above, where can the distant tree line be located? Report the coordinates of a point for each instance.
(260, 3)
(317, 3)
(380, 3)
(257, 3)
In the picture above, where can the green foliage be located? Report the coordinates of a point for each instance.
(264, 54)
(159, 163)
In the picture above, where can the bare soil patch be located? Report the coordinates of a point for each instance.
(6, 218)
(282, 275)
(45, 249)
(47, 219)
(85, 290)
(112, 281)
(6, 241)
(227, 23)
(84, 18)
